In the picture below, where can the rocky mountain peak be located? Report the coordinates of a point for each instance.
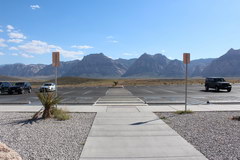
(95, 57)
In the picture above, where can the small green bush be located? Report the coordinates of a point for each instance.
(184, 112)
(60, 114)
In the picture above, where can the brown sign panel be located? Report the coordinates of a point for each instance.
(186, 58)
(55, 59)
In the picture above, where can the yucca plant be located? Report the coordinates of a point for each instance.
(48, 100)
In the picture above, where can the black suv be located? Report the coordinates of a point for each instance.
(217, 84)
(20, 88)
(4, 87)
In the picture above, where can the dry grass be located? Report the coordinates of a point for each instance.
(91, 82)
(184, 112)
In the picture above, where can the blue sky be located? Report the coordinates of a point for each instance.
(31, 29)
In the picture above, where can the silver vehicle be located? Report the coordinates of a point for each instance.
(48, 87)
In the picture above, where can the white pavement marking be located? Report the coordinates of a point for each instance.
(165, 90)
(96, 101)
(89, 91)
(67, 92)
(148, 91)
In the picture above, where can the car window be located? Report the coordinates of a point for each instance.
(219, 80)
(19, 84)
(209, 80)
(47, 84)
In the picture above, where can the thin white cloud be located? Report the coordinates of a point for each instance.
(15, 54)
(1, 30)
(10, 28)
(13, 48)
(16, 35)
(130, 54)
(1, 54)
(2, 43)
(71, 54)
(111, 39)
(40, 47)
(35, 7)
(36, 47)
(163, 51)
(26, 55)
(15, 40)
(82, 47)
(114, 41)
(23, 55)
(127, 54)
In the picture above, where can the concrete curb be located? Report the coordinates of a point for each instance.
(181, 103)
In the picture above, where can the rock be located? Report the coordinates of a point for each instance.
(7, 153)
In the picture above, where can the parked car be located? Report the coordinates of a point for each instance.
(47, 87)
(4, 87)
(20, 88)
(217, 83)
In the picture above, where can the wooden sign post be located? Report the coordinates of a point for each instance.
(56, 63)
(186, 61)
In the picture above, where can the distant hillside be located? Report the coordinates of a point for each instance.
(63, 69)
(159, 65)
(146, 66)
(21, 70)
(96, 65)
(227, 65)
(126, 62)
(196, 67)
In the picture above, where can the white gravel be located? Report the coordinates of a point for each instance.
(212, 133)
(45, 139)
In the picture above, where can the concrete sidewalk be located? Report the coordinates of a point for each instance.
(135, 135)
(123, 132)
(131, 132)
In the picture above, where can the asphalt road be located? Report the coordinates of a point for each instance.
(176, 94)
(72, 95)
(150, 94)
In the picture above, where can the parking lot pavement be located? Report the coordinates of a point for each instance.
(167, 94)
(71, 95)
(164, 94)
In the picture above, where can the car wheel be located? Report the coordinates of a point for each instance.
(217, 89)
(21, 92)
(0, 92)
(30, 90)
(229, 90)
(206, 88)
(9, 92)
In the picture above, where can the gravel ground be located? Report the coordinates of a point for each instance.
(45, 139)
(212, 133)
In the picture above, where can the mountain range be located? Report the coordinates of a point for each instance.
(146, 66)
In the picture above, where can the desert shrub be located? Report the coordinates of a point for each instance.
(184, 112)
(60, 114)
(48, 100)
